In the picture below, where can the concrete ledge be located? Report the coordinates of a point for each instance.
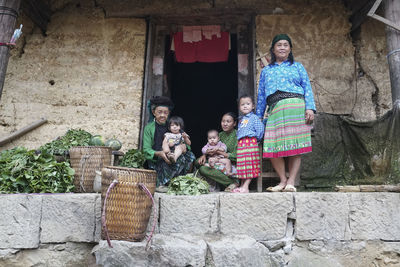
(28, 220)
(20, 220)
(261, 216)
(322, 216)
(70, 218)
(188, 214)
(220, 229)
(375, 216)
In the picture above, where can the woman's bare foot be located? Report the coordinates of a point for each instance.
(240, 190)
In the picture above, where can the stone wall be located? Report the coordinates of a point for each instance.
(257, 229)
(49, 229)
(347, 78)
(87, 72)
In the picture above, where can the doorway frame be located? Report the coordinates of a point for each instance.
(154, 82)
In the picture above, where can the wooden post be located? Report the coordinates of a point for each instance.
(392, 13)
(8, 16)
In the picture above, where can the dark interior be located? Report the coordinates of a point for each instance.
(202, 93)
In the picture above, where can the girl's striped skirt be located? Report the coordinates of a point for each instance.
(248, 158)
(286, 133)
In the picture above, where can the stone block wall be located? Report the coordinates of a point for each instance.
(49, 229)
(220, 229)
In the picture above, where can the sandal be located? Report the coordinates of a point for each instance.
(231, 187)
(276, 188)
(289, 188)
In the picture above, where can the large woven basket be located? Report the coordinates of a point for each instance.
(128, 207)
(85, 160)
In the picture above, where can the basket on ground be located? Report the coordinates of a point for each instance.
(128, 207)
(86, 160)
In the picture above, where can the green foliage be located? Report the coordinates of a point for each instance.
(188, 185)
(133, 158)
(62, 144)
(22, 171)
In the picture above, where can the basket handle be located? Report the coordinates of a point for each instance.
(103, 217)
(83, 167)
(148, 193)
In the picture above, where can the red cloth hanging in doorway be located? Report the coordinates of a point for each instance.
(214, 50)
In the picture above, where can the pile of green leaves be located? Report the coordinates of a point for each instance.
(23, 171)
(188, 185)
(133, 158)
(73, 137)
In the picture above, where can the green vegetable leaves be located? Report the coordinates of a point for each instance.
(22, 171)
(188, 185)
(133, 158)
(62, 144)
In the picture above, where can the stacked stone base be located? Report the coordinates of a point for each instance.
(258, 229)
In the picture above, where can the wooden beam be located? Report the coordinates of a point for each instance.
(359, 16)
(22, 131)
(8, 16)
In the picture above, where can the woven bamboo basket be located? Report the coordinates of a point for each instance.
(85, 160)
(128, 207)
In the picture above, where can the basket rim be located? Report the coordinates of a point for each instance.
(128, 169)
(107, 147)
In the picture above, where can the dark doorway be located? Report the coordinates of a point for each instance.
(202, 93)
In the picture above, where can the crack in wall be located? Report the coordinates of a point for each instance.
(360, 72)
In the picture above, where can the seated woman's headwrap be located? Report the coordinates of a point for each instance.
(158, 101)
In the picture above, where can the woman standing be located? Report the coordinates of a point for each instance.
(228, 137)
(153, 137)
(285, 87)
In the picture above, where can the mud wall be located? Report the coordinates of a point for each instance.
(349, 75)
(87, 72)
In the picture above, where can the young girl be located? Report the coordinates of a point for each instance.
(175, 141)
(210, 150)
(250, 132)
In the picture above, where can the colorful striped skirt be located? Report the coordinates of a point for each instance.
(248, 158)
(286, 133)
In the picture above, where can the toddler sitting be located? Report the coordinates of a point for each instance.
(213, 150)
(175, 141)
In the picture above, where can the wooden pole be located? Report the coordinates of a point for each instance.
(22, 131)
(8, 16)
(392, 13)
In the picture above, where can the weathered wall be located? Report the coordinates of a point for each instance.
(96, 64)
(86, 73)
(345, 80)
(257, 229)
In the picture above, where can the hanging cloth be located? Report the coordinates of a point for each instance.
(214, 50)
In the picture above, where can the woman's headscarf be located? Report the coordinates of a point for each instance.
(158, 101)
(277, 38)
(282, 36)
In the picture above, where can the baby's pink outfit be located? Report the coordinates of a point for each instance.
(218, 145)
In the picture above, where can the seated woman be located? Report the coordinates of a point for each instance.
(153, 136)
(228, 137)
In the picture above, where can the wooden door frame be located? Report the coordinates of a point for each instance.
(153, 80)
